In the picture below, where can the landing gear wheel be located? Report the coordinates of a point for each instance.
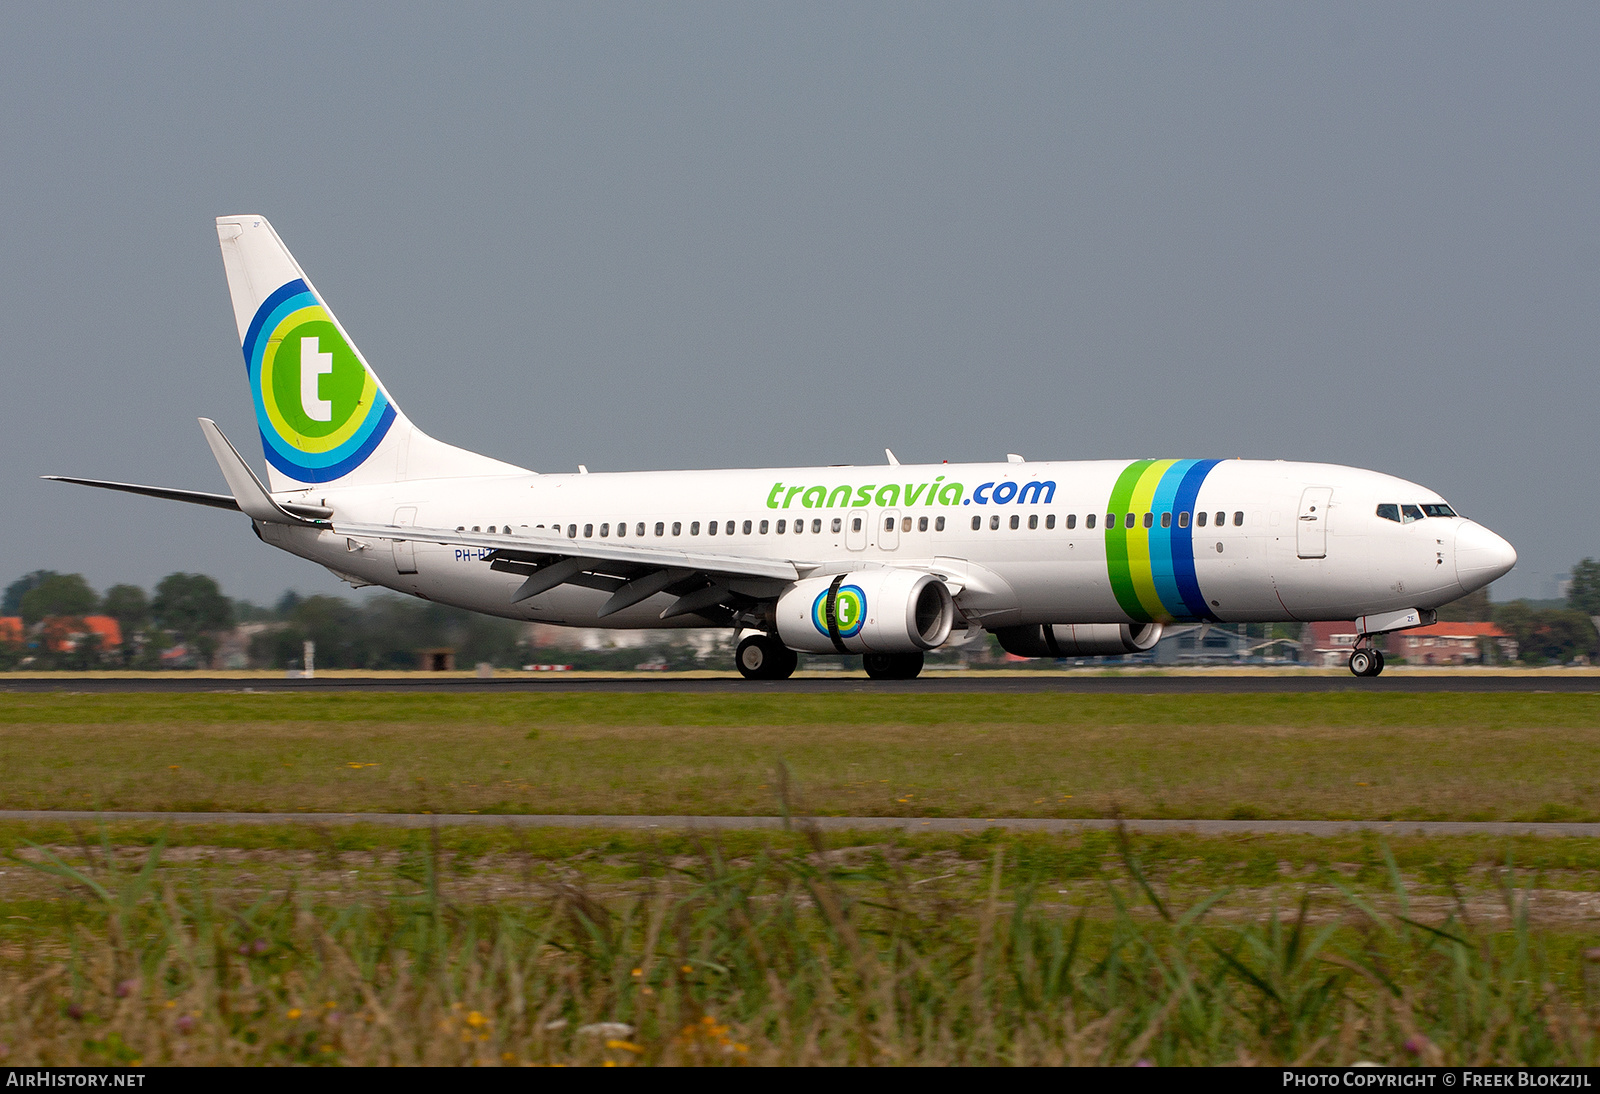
(1362, 662)
(1377, 667)
(762, 657)
(892, 666)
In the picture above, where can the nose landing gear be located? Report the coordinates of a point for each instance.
(1366, 662)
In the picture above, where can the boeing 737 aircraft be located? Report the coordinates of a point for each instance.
(1056, 559)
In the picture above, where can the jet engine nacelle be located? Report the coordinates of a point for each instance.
(1079, 639)
(869, 611)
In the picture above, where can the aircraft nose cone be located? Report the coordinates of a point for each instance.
(1481, 556)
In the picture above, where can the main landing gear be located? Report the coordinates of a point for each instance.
(763, 657)
(1364, 662)
(892, 666)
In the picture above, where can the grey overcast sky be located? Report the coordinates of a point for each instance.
(691, 235)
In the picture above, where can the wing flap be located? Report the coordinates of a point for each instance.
(540, 548)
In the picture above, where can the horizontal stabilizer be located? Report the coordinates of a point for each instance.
(170, 493)
(193, 497)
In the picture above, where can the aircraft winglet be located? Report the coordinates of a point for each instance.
(247, 490)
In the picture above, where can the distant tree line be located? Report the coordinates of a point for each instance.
(190, 611)
(394, 632)
(187, 609)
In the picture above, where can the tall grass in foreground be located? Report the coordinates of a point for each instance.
(781, 957)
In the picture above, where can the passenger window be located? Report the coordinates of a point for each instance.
(1149, 519)
(922, 524)
(1222, 518)
(763, 527)
(711, 527)
(783, 526)
(588, 531)
(491, 529)
(1016, 522)
(994, 523)
(1200, 520)
(1409, 513)
(572, 531)
(661, 529)
(747, 527)
(1238, 520)
(938, 524)
(694, 528)
(1439, 510)
(639, 531)
(1183, 520)
(729, 528)
(905, 523)
(855, 524)
(1088, 521)
(1072, 521)
(605, 530)
(838, 524)
(677, 527)
(816, 526)
(1166, 520)
(1033, 520)
(622, 528)
(1389, 512)
(977, 522)
(475, 528)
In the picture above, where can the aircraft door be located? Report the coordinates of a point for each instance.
(405, 551)
(1311, 530)
(855, 536)
(889, 530)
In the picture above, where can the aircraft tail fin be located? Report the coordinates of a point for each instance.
(324, 416)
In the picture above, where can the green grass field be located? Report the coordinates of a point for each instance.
(279, 944)
(213, 944)
(1343, 756)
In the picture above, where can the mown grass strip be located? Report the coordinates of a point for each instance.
(1353, 709)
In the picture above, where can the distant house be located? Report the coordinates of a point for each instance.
(11, 629)
(1329, 644)
(1451, 643)
(64, 633)
(1202, 646)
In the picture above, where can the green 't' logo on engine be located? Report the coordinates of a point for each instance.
(849, 611)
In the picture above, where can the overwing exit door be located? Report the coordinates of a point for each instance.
(1311, 529)
(889, 530)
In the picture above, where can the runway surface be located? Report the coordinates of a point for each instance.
(979, 683)
(827, 824)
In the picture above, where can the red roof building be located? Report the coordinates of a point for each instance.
(1329, 644)
(10, 628)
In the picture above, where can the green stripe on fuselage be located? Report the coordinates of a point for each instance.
(1118, 567)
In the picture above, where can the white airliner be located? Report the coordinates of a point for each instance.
(1057, 559)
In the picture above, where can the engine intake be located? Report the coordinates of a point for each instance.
(869, 611)
(1079, 639)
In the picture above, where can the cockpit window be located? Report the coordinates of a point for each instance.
(1409, 513)
(1438, 509)
(1389, 512)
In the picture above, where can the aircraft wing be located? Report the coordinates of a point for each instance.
(701, 581)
